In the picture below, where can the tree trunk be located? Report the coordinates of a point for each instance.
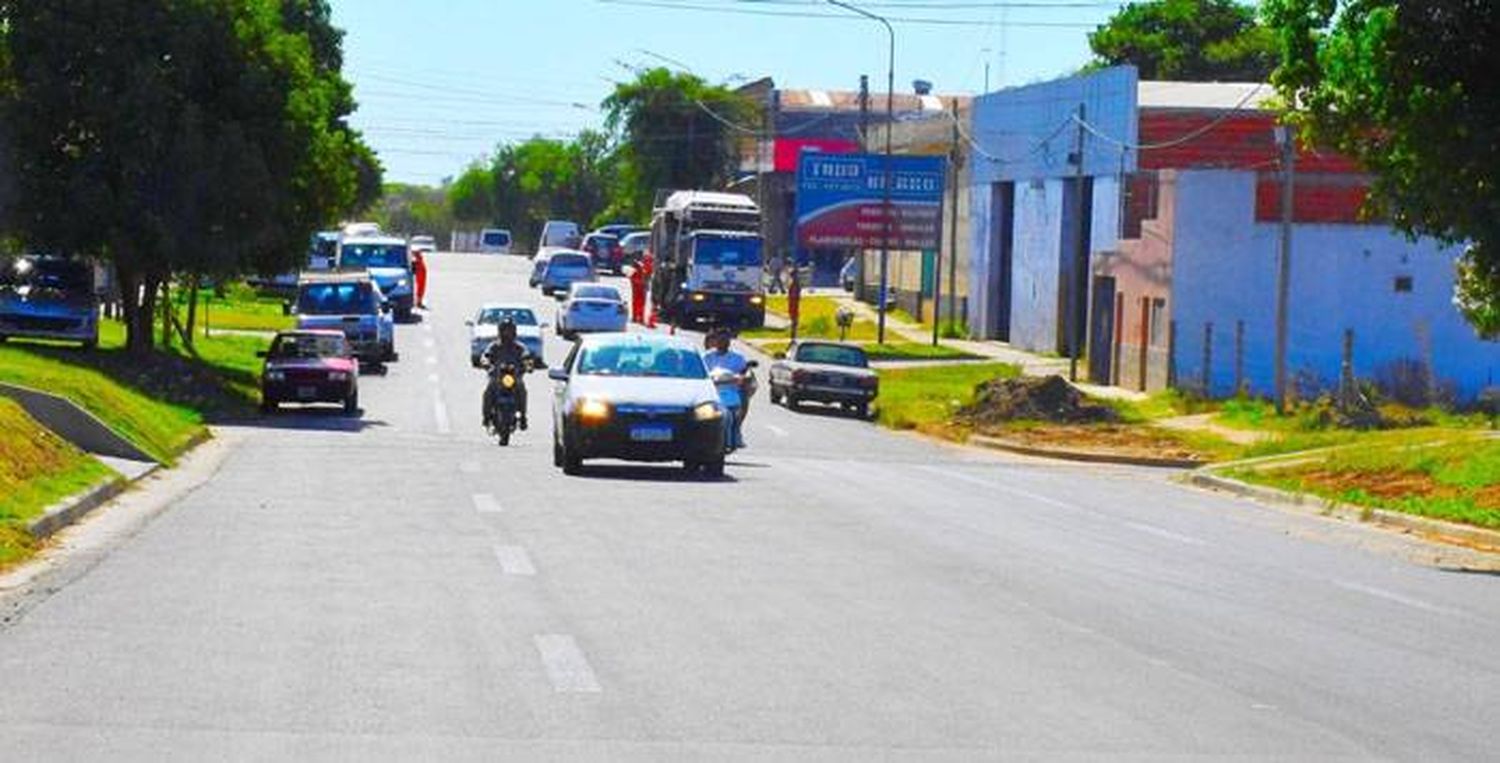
(137, 300)
(194, 284)
(166, 313)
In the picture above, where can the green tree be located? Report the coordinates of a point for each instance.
(676, 131)
(176, 137)
(1193, 40)
(1407, 88)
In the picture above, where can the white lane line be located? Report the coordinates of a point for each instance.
(778, 431)
(431, 360)
(429, 343)
(432, 378)
(440, 413)
(1161, 533)
(1392, 596)
(514, 561)
(484, 503)
(566, 665)
(469, 467)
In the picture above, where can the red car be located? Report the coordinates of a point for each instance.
(310, 367)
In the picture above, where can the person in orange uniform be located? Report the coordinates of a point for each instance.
(640, 277)
(419, 271)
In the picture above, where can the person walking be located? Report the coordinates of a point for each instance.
(794, 299)
(419, 272)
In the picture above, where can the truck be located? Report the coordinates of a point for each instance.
(707, 260)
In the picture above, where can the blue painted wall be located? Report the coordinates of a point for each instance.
(1343, 277)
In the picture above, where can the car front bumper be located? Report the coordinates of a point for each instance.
(692, 440)
(82, 328)
(293, 391)
(823, 393)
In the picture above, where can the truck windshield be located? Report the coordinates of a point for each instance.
(335, 299)
(727, 252)
(373, 256)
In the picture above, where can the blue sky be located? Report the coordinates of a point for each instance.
(442, 82)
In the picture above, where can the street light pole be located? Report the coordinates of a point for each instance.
(890, 120)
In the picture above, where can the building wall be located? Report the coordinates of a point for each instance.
(1343, 278)
(1142, 269)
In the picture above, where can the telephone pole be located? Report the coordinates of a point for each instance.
(864, 136)
(958, 163)
(1079, 259)
(1286, 139)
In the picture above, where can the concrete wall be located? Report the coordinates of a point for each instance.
(1343, 277)
(1142, 269)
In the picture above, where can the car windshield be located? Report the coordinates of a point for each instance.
(61, 275)
(596, 292)
(568, 265)
(641, 359)
(833, 355)
(373, 256)
(727, 252)
(635, 241)
(336, 299)
(309, 346)
(494, 316)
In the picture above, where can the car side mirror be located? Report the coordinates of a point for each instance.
(753, 364)
(557, 374)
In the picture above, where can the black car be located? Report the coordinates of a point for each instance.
(825, 372)
(637, 397)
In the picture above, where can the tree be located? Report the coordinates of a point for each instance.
(676, 131)
(1409, 90)
(1193, 40)
(172, 137)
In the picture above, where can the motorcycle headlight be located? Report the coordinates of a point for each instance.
(757, 299)
(592, 410)
(697, 297)
(708, 412)
(508, 381)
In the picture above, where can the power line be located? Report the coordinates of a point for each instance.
(1187, 137)
(931, 21)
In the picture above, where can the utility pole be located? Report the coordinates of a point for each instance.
(1286, 139)
(864, 136)
(958, 163)
(1080, 246)
(890, 120)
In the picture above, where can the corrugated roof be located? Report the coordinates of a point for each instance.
(848, 100)
(1211, 96)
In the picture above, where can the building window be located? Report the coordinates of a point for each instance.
(1403, 284)
(1158, 322)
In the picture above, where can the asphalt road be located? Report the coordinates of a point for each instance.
(399, 587)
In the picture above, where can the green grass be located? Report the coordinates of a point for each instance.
(160, 402)
(890, 351)
(818, 321)
(242, 308)
(1440, 473)
(37, 469)
(927, 398)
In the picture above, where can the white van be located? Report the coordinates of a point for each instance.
(561, 233)
(494, 241)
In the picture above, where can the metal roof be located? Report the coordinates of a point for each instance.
(1209, 96)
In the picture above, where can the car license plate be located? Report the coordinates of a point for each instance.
(307, 392)
(651, 433)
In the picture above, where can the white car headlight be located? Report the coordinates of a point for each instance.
(592, 410)
(708, 412)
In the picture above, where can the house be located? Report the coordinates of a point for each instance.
(1137, 224)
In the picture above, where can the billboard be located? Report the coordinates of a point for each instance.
(788, 150)
(840, 201)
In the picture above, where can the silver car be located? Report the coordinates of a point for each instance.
(565, 268)
(485, 326)
(589, 308)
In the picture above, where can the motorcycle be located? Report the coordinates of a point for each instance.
(504, 403)
(735, 390)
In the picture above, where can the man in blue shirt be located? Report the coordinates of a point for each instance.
(721, 355)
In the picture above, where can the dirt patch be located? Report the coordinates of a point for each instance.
(1395, 486)
(1047, 399)
(1110, 439)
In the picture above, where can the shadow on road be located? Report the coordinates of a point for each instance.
(638, 473)
(312, 419)
(827, 412)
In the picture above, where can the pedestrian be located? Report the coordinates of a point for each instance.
(777, 263)
(638, 274)
(419, 270)
(794, 299)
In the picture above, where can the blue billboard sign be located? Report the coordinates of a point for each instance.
(841, 202)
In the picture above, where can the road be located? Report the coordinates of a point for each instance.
(399, 587)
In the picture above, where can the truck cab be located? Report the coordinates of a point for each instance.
(708, 259)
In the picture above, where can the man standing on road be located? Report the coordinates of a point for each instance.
(639, 274)
(721, 355)
(419, 272)
(794, 300)
(777, 264)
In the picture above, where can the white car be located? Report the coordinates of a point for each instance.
(426, 244)
(485, 326)
(591, 307)
(494, 241)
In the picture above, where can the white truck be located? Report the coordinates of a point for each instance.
(707, 253)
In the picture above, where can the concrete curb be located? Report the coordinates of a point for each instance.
(1434, 529)
(995, 443)
(76, 507)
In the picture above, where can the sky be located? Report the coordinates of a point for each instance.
(441, 83)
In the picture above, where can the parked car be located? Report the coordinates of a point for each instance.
(352, 303)
(494, 241)
(560, 233)
(591, 307)
(605, 252)
(388, 261)
(620, 230)
(309, 367)
(825, 372)
(638, 397)
(357, 230)
(564, 269)
(633, 247)
(539, 264)
(485, 326)
(49, 298)
(424, 243)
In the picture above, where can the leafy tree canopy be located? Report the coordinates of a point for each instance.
(1408, 88)
(1192, 40)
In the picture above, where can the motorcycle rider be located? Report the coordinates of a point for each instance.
(505, 350)
(721, 355)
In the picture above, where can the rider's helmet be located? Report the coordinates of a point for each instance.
(507, 330)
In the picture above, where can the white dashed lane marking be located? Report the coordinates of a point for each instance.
(440, 414)
(566, 665)
(429, 343)
(484, 503)
(514, 561)
(469, 467)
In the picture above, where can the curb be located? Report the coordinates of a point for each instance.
(1089, 457)
(76, 507)
(1435, 529)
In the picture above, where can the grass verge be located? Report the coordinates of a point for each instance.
(926, 399)
(818, 321)
(1439, 473)
(37, 469)
(890, 351)
(242, 308)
